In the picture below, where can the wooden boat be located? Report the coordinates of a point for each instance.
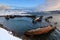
(29, 33)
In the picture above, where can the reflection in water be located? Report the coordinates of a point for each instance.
(20, 25)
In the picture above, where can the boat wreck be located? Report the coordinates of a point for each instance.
(35, 33)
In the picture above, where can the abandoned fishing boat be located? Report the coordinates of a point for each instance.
(23, 28)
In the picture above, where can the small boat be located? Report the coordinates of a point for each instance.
(25, 27)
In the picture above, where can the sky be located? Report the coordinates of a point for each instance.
(22, 3)
(40, 5)
(49, 5)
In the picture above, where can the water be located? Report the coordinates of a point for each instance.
(21, 25)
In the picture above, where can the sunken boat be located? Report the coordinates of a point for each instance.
(24, 28)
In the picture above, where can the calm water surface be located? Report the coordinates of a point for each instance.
(20, 25)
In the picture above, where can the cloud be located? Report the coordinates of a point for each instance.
(49, 5)
(2, 6)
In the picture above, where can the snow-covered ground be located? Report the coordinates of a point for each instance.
(4, 35)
